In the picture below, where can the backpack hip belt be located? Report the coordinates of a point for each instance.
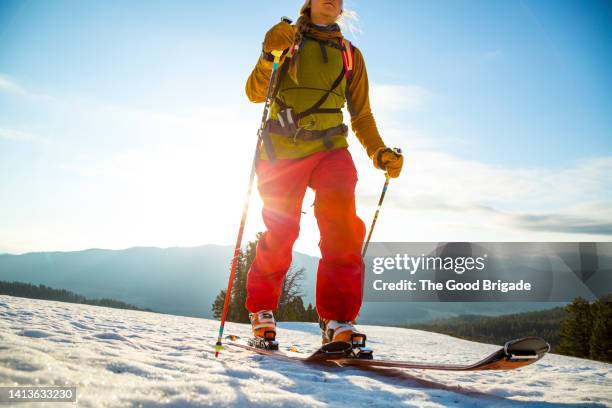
(304, 134)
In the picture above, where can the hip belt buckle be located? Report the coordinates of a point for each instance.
(287, 121)
(296, 134)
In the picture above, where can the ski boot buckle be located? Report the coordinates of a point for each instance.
(358, 340)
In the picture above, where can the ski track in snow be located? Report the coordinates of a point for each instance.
(129, 358)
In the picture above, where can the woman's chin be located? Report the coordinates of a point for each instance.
(332, 17)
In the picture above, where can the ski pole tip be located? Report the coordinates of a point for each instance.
(218, 348)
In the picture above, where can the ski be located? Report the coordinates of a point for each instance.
(326, 353)
(515, 354)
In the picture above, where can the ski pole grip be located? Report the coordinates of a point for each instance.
(277, 55)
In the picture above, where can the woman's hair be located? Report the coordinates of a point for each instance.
(301, 25)
(349, 22)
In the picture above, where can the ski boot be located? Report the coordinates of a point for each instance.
(264, 330)
(337, 334)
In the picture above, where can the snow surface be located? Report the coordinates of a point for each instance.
(128, 358)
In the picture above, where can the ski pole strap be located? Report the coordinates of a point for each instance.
(269, 56)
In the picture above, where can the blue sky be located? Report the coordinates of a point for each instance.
(125, 123)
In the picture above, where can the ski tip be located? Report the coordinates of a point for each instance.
(527, 346)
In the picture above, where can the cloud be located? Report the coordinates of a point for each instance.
(393, 98)
(442, 188)
(9, 85)
(573, 221)
(155, 172)
(86, 126)
(563, 223)
(12, 134)
(460, 180)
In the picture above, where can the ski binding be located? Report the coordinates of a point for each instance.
(268, 342)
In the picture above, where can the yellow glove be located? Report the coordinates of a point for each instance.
(279, 37)
(390, 160)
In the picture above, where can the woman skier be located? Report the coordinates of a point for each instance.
(305, 145)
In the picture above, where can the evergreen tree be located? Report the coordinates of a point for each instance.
(217, 307)
(62, 295)
(601, 337)
(238, 312)
(293, 311)
(311, 314)
(576, 329)
(290, 305)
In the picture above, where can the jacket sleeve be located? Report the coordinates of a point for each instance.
(358, 102)
(257, 84)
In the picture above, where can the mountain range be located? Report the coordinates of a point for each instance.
(185, 280)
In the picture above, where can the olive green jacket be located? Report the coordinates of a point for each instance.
(316, 72)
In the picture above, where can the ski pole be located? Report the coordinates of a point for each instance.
(245, 208)
(380, 201)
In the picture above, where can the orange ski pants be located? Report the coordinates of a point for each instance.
(282, 185)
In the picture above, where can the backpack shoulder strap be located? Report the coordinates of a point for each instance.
(347, 50)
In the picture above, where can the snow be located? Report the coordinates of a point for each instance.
(129, 358)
